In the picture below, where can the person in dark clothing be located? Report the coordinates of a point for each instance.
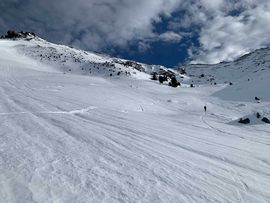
(205, 108)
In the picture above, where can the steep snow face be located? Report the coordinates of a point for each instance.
(80, 138)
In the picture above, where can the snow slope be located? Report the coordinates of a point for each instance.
(79, 138)
(250, 76)
(72, 61)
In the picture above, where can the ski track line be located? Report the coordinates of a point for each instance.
(60, 125)
(230, 134)
(162, 140)
(162, 163)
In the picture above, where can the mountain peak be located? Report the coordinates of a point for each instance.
(11, 34)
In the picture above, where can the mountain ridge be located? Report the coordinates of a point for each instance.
(48, 52)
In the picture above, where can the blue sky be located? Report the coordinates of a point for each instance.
(167, 53)
(166, 32)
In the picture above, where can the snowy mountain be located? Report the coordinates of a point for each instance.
(69, 60)
(74, 130)
(249, 76)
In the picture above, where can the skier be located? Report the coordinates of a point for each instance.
(258, 100)
(205, 108)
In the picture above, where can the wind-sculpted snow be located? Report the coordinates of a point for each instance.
(80, 138)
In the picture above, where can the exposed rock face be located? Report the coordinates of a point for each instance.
(244, 121)
(11, 34)
(174, 82)
(162, 78)
(266, 120)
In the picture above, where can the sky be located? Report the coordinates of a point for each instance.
(166, 32)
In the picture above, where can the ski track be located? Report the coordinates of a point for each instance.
(75, 144)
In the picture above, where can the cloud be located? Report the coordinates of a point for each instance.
(233, 30)
(91, 24)
(224, 29)
(170, 36)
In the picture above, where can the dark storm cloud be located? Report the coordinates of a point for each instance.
(94, 24)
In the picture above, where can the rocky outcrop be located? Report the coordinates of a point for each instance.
(244, 121)
(266, 120)
(11, 34)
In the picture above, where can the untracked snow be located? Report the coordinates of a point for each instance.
(66, 136)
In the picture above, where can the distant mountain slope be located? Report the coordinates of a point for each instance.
(247, 77)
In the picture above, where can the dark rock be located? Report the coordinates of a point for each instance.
(258, 115)
(132, 64)
(162, 78)
(154, 76)
(11, 34)
(244, 121)
(266, 120)
(174, 82)
(257, 99)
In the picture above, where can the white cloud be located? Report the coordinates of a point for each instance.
(170, 37)
(227, 28)
(226, 37)
(212, 4)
